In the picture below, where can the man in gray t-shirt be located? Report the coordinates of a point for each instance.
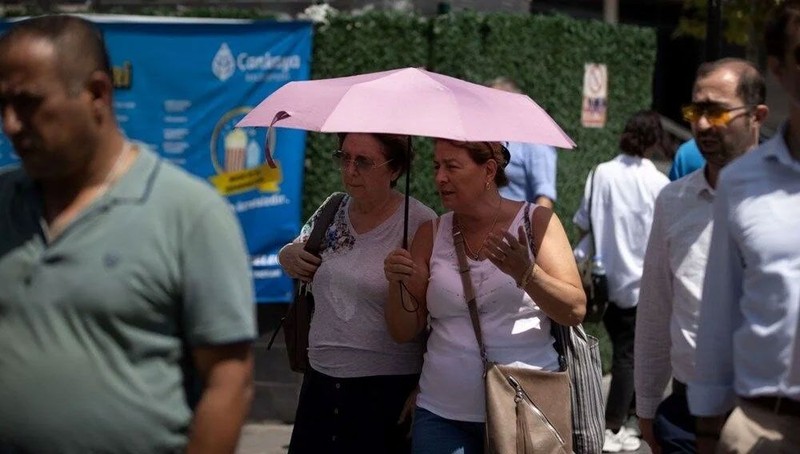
(118, 271)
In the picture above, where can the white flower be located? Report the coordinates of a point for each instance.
(319, 13)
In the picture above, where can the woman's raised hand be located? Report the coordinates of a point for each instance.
(508, 253)
(398, 266)
(298, 263)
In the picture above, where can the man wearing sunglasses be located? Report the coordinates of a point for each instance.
(725, 115)
(748, 349)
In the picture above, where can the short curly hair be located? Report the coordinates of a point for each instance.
(642, 132)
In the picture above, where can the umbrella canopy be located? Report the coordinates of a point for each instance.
(408, 101)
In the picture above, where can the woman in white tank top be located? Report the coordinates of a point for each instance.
(517, 293)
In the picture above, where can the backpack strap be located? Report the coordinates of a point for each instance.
(314, 242)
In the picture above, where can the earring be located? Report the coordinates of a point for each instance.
(487, 186)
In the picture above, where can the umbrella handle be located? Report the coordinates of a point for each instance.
(408, 190)
(271, 132)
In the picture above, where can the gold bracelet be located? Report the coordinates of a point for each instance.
(529, 273)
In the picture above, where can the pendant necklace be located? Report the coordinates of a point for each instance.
(475, 255)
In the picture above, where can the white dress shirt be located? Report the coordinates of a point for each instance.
(672, 282)
(748, 343)
(625, 191)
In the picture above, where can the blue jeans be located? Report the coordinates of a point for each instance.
(432, 434)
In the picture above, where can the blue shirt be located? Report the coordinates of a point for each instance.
(531, 172)
(687, 159)
(748, 343)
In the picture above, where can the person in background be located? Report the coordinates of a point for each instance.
(748, 344)
(120, 275)
(623, 198)
(360, 378)
(517, 293)
(687, 159)
(531, 172)
(726, 115)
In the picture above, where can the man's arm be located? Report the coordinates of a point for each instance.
(542, 187)
(581, 218)
(227, 373)
(652, 366)
(218, 320)
(544, 201)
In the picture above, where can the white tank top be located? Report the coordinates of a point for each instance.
(515, 330)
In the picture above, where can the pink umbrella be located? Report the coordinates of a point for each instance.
(408, 101)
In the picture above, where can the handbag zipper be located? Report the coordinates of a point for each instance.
(521, 395)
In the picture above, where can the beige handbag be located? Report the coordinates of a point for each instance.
(527, 410)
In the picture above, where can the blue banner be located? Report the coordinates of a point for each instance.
(182, 85)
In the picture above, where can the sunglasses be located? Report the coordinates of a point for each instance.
(361, 164)
(715, 115)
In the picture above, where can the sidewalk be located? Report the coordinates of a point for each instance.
(265, 438)
(271, 437)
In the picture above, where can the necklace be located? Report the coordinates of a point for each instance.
(475, 255)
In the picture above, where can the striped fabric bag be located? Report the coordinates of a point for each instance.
(579, 354)
(582, 356)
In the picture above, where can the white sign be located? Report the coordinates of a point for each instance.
(595, 95)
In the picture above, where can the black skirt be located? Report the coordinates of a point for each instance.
(352, 415)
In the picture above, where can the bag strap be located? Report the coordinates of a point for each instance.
(559, 332)
(469, 291)
(314, 242)
(591, 196)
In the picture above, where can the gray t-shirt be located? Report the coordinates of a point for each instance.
(349, 337)
(93, 326)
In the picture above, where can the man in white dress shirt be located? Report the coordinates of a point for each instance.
(726, 115)
(748, 348)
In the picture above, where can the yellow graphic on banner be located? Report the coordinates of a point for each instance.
(238, 159)
(264, 178)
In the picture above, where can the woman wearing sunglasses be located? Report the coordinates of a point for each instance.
(360, 378)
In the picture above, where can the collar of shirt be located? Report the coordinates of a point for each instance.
(777, 150)
(698, 183)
